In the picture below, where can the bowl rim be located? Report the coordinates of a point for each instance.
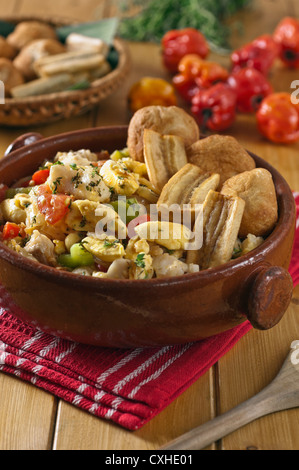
(286, 204)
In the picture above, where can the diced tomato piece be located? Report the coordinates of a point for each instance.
(141, 219)
(54, 207)
(10, 231)
(3, 189)
(41, 176)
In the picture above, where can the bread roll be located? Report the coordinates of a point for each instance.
(34, 51)
(220, 154)
(10, 76)
(6, 50)
(27, 31)
(164, 120)
(257, 189)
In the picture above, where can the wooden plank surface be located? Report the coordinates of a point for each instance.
(77, 10)
(32, 419)
(27, 416)
(194, 407)
(245, 371)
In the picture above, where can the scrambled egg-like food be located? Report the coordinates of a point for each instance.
(85, 216)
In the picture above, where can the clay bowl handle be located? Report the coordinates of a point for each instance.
(269, 298)
(23, 141)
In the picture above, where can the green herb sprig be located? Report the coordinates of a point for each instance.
(140, 262)
(158, 17)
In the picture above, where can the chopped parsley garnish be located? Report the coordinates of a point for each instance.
(140, 263)
(108, 244)
(74, 166)
(92, 185)
(58, 163)
(76, 180)
(25, 241)
(83, 222)
(95, 172)
(56, 183)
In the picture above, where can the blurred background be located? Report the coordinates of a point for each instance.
(260, 16)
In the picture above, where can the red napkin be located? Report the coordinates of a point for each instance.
(128, 387)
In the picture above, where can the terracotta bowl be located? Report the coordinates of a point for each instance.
(147, 313)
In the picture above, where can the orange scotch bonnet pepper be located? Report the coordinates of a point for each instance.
(151, 92)
(195, 74)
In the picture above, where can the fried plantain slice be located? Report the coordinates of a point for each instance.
(190, 185)
(222, 217)
(164, 156)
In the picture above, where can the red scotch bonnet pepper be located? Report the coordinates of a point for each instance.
(215, 107)
(180, 42)
(251, 87)
(259, 54)
(286, 36)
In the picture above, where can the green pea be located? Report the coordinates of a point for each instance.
(12, 192)
(77, 258)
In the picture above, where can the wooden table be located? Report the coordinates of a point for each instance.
(33, 419)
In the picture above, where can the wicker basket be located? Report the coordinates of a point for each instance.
(43, 109)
